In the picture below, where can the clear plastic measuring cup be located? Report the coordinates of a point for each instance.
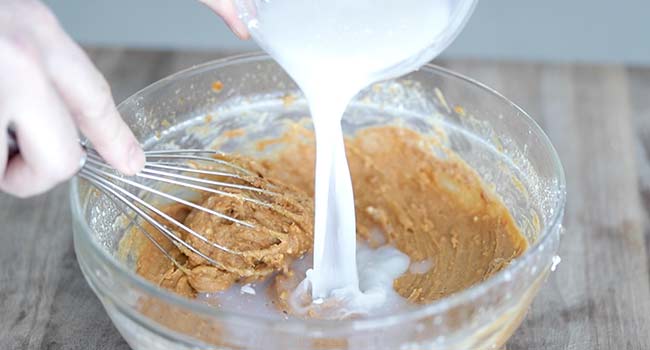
(394, 37)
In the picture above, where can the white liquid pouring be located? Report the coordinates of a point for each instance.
(333, 49)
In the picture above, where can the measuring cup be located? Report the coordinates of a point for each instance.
(388, 37)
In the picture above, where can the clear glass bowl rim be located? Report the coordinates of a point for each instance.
(437, 307)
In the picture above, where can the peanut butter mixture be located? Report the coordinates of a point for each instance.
(274, 228)
(437, 211)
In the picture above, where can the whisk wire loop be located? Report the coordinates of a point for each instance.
(179, 168)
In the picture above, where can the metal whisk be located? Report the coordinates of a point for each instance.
(170, 167)
(176, 168)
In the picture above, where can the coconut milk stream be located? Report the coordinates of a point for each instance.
(333, 49)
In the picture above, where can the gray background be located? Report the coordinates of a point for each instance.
(539, 30)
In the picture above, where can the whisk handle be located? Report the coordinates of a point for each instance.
(13, 150)
(12, 144)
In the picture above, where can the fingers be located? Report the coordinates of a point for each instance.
(48, 87)
(46, 134)
(226, 10)
(89, 100)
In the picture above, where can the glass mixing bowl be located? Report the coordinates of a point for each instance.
(192, 108)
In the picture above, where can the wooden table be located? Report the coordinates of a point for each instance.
(598, 117)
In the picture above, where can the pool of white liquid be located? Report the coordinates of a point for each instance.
(377, 270)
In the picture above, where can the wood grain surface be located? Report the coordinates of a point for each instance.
(598, 118)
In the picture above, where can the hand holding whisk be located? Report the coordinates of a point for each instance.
(229, 204)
